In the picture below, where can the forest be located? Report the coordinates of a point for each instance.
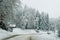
(24, 17)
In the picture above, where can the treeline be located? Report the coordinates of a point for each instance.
(24, 17)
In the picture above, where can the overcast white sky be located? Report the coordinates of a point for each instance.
(50, 6)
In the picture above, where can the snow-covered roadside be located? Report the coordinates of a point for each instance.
(20, 31)
(16, 31)
(4, 34)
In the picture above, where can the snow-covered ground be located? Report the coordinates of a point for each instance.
(32, 34)
(4, 34)
(16, 31)
(20, 31)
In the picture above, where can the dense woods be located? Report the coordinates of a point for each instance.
(12, 12)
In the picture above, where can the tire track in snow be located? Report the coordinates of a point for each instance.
(10, 37)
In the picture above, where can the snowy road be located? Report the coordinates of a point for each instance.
(35, 37)
(19, 34)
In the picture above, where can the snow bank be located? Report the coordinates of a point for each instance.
(30, 31)
(20, 31)
(4, 34)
